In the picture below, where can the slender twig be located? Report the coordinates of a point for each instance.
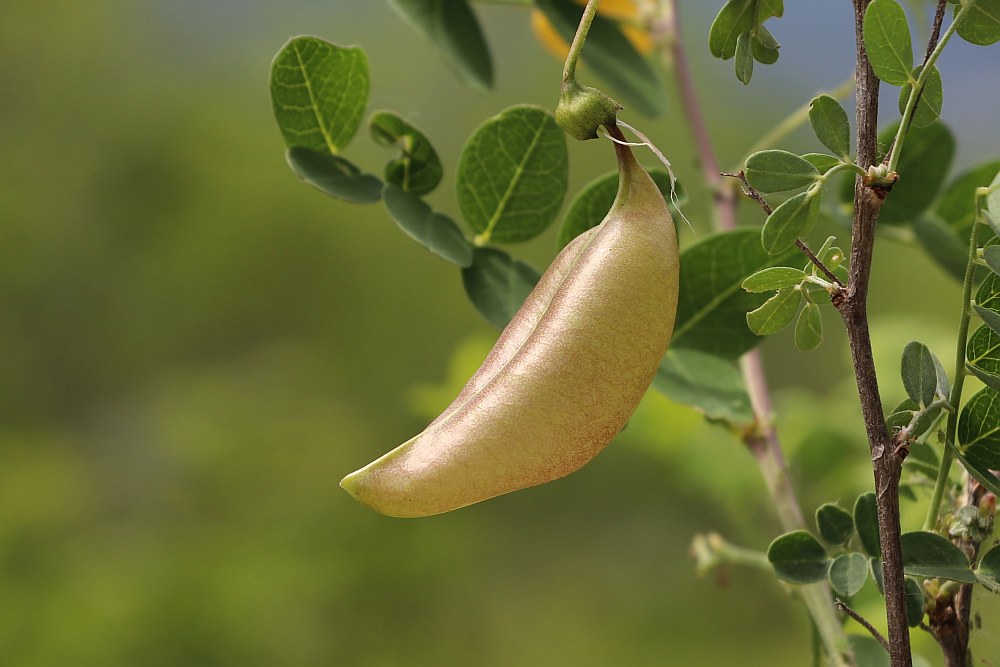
(892, 156)
(932, 41)
(667, 32)
(853, 308)
(751, 192)
(951, 429)
(842, 606)
(712, 550)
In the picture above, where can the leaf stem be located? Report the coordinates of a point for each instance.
(842, 606)
(955, 397)
(569, 69)
(712, 550)
(911, 102)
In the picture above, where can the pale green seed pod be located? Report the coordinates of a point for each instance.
(564, 377)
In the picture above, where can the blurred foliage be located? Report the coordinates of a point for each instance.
(196, 347)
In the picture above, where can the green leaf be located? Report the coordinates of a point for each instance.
(983, 349)
(451, 26)
(848, 574)
(929, 105)
(979, 428)
(875, 565)
(988, 572)
(744, 57)
(809, 328)
(512, 175)
(798, 558)
(591, 205)
(735, 18)
(978, 469)
(942, 244)
(988, 294)
(318, 93)
(829, 122)
(989, 564)
(943, 384)
(899, 418)
(903, 415)
(957, 205)
(926, 156)
(993, 200)
(991, 380)
(611, 56)
(866, 523)
(777, 171)
(868, 652)
(887, 40)
(790, 221)
(924, 455)
(933, 556)
(498, 284)
(776, 313)
(992, 256)
(712, 306)
(333, 175)
(914, 603)
(764, 46)
(821, 161)
(418, 169)
(773, 278)
(833, 258)
(981, 26)
(836, 525)
(710, 384)
(990, 318)
(919, 373)
(436, 232)
(768, 8)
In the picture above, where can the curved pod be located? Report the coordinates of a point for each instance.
(564, 377)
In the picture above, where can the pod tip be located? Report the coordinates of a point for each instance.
(350, 483)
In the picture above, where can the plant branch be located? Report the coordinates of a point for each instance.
(666, 32)
(852, 304)
(932, 41)
(842, 606)
(751, 192)
(955, 397)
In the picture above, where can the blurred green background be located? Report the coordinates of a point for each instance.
(196, 348)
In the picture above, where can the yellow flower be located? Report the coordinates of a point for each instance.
(625, 12)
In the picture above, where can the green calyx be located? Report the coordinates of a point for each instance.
(582, 109)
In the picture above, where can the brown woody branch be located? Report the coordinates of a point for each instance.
(853, 306)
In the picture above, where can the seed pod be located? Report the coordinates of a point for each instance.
(564, 377)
